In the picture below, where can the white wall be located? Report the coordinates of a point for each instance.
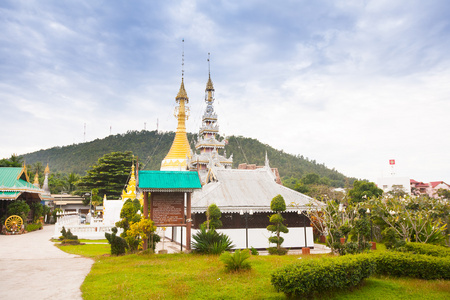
(257, 237)
(386, 183)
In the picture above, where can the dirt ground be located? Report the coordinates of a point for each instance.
(31, 267)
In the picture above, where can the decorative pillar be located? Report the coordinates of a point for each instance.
(145, 246)
(188, 222)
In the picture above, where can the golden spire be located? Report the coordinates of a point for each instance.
(36, 179)
(130, 193)
(180, 152)
(47, 170)
(182, 93)
(176, 159)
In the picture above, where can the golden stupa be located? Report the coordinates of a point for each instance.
(180, 152)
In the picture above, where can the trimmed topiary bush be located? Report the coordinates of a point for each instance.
(315, 276)
(67, 235)
(118, 244)
(403, 264)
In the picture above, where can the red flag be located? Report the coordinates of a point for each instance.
(392, 161)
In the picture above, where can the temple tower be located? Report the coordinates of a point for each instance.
(36, 180)
(180, 152)
(207, 143)
(45, 186)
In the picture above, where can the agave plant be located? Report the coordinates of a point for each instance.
(210, 241)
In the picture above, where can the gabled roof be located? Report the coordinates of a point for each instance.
(15, 178)
(436, 183)
(184, 181)
(237, 190)
(14, 182)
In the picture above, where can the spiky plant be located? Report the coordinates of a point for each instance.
(210, 241)
(236, 261)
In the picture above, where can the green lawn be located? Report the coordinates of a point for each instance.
(188, 276)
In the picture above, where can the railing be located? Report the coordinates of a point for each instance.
(71, 220)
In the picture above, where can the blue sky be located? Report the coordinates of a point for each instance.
(350, 84)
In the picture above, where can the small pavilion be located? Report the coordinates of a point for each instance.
(15, 185)
(170, 198)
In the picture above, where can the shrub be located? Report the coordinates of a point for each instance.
(33, 227)
(118, 244)
(210, 241)
(427, 249)
(412, 265)
(213, 215)
(391, 238)
(254, 251)
(19, 208)
(141, 231)
(67, 235)
(315, 276)
(276, 251)
(278, 205)
(236, 261)
(70, 242)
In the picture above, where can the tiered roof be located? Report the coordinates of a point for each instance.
(207, 144)
(14, 182)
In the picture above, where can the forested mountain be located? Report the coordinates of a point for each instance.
(151, 147)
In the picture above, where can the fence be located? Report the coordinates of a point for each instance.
(71, 220)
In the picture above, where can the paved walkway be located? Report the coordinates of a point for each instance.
(31, 267)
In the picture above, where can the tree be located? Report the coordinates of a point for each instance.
(38, 210)
(310, 178)
(19, 208)
(72, 180)
(13, 161)
(363, 190)
(109, 175)
(278, 205)
(422, 220)
(213, 215)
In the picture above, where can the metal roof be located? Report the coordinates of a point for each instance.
(239, 189)
(169, 180)
(12, 184)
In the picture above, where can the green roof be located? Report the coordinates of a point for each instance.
(13, 178)
(13, 182)
(169, 180)
(9, 195)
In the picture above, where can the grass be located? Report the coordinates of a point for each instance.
(188, 276)
(87, 250)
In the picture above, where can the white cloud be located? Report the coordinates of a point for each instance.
(347, 84)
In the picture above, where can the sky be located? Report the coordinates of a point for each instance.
(350, 84)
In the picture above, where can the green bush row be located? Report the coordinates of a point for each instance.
(313, 276)
(402, 264)
(33, 227)
(427, 249)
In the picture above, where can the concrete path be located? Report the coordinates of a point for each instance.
(31, 267)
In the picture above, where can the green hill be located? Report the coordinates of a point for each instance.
(151, 148)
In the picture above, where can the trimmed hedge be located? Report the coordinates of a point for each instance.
(326, 274)
(428, 249)
(402, 264)
(33, 227)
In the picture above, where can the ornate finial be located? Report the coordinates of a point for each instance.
(209, 65)
(182, 61)
(47, 170)
(209, 84)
